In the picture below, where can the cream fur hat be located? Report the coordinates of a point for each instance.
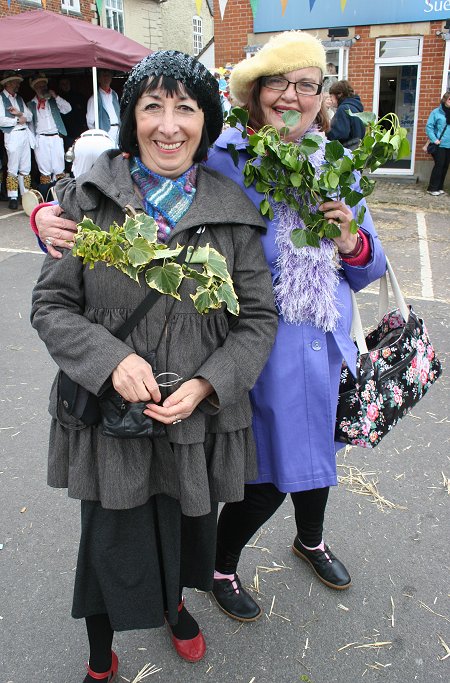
(10, 76)
(38, 78)
(284, 52)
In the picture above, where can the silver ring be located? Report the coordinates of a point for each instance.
(49, 241)
(175, 422)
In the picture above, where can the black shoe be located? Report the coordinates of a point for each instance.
(328, 568)
(241, 605)
(12, 204)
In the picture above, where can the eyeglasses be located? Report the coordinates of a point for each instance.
(282, 84)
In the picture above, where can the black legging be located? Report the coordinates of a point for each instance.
(239, 521)
(440, 168)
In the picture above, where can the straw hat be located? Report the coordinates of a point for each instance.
(284, 52)
(38, 78)
(10, 76)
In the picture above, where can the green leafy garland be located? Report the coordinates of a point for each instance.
(282, 171)
(131, 248)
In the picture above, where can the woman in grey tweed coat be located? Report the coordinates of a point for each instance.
(148, 508)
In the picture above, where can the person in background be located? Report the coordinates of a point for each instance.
(347, 129)
(108, 106)
(295, 398)
(149, 506)
(75, 120)
(14, 117)
(87, 148)
(438, 131)
(48, 127)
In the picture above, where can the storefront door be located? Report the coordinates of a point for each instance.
(397, 77)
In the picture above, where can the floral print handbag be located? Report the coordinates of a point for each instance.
(396, 366)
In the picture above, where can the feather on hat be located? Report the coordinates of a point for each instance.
(284, 52)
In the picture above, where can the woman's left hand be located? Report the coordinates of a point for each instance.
(339, 213)
(179, 405)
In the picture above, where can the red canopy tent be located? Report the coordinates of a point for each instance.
(45, 40)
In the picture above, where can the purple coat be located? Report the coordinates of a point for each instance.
(295, 398)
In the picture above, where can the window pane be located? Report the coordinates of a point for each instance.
(408, 47)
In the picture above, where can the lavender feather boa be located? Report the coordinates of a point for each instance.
(305, 288)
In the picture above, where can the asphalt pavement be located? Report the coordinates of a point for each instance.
(388, 520)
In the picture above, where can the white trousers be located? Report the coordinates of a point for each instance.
(49, 153)
(17, 146)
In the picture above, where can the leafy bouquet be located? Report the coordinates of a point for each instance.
(282, 171)
(133, 246)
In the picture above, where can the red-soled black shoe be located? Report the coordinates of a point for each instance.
(109, 675)
(326, 566)
(193, 649)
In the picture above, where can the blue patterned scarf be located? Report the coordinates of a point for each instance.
(164, 199)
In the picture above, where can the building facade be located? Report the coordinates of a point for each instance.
(81, 9)
(396, 54)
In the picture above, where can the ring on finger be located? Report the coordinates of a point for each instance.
(49, 241)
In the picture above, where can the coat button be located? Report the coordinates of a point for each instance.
(66, 404)
(316, 345)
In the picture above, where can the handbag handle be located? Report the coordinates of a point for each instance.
(383, 305)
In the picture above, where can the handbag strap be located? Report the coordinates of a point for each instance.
(441, 135)
(383, 305)
(146, 304)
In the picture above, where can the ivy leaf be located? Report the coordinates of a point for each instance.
(227, 294)
(202, 300)
(296, 179)
(166, 279)
(298, 238)
(264, 207)
(217, 265)
(88, 224)
(365, 116)
(291, 118)
(360, 215)
(200, 255)
(312, 238)
(201, 278)
(354, 227)
(131, 271)
(332, 230)
(404, 149)
(352, 197)
(131, 228)
(141, 252)
(234, 153)
(334, 151)
(241, 115)
(147, 227)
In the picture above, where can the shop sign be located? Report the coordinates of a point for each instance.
(282, 15)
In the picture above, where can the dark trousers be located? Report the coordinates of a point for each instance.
(441, 162)
(239, 521)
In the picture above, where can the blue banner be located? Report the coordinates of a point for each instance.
(310, 14)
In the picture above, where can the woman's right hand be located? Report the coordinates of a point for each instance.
(133, 379)
(54, 231)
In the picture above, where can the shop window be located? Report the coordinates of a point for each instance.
(198, 34)
(332, 72)
(114, 15)
(71, 5)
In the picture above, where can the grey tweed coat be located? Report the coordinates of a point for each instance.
(76, 310)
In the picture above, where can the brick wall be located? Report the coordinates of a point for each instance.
(230, 34)
(52, 5)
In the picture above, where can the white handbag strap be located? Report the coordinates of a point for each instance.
(383, 305)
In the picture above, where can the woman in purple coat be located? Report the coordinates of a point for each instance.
(295, 398)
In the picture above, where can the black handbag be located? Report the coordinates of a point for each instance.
(432, 146)
(396, 366)
(119, 418)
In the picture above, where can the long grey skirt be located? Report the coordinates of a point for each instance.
(131, 563)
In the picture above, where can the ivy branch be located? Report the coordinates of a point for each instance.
(282, 171)
(133, 246)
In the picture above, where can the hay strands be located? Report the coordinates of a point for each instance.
(356, 481)
(275, 614)
(264, 570)
(446, 648)
(422, 604)
(357, 646)
(147, 670)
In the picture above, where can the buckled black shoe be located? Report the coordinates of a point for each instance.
(238, 605)
(12, 204)
(328, 568)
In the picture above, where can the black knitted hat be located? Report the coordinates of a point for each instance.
(189, 71)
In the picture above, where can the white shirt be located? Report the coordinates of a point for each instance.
(45, 121)
(7, 121)
(107, 102)
(88, 147)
